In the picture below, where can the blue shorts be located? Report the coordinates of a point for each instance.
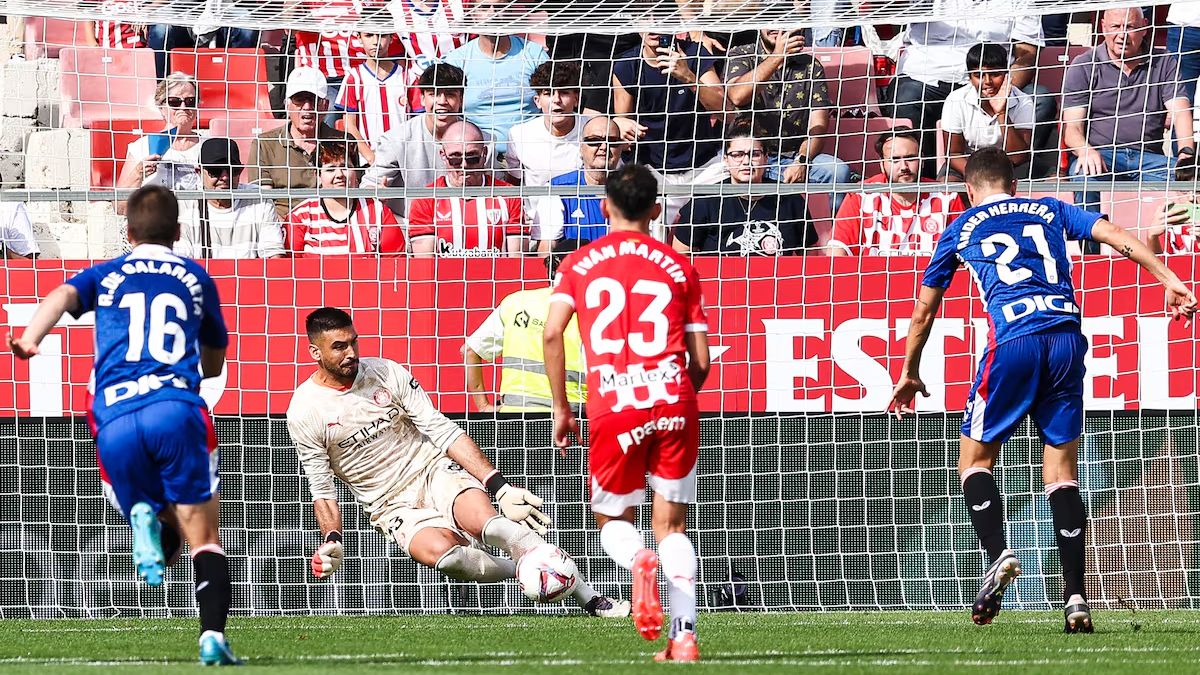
(164, 453)
(1039, 375)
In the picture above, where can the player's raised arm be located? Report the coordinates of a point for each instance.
(555, 355)
(1181, 302)
(61, 300)
(928, 302)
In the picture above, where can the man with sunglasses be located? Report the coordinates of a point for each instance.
(452, 226)
(578, 218)
(225, 226)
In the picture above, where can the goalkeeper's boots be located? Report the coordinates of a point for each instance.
(148, 557)
(647, 610)
(607, 608)
(995, 581)
(214, 650)
(1078, 616)
(681, 645)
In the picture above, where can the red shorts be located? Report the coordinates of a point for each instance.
(663, 441)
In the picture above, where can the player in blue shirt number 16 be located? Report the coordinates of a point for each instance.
(1015, 249)
(159, 331)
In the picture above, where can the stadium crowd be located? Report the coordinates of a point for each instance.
(436, 109)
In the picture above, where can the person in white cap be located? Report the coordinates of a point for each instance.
(283, 158)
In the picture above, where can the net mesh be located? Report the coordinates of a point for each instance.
(810, 497)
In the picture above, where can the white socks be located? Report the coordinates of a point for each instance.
(512, 538)
(677, 558)
(621, 541)
(470, 564)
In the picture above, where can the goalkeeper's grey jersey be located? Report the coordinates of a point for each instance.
(378, 436)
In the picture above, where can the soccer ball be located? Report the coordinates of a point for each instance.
(546, 574)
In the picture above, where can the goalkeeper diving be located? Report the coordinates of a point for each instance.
(418, 476)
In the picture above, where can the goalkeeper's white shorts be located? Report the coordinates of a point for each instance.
(428, 503)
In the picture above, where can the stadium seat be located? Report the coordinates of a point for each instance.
(853, 141)
(1052, 66)
(822, 215)
(110, 139)
(103, 84)
(46, 38)
(233, 82)
(1133, 211)
(242, 130)
(848, 76)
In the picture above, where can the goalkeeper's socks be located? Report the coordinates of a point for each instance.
(583, 591)
(986, 510)
(677, 559)
(512, 538)
(214, 592)
(1070, 529)
(621, 541)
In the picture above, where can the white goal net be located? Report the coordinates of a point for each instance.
(809, 155)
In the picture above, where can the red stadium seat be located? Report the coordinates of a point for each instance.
(100, 84)
(1052, 66)
(110, 140)
(853, 141)
(233, 82)
(242, 130)
(46, 38)
(848, 76)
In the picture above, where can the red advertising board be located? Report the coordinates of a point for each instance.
(790, 335)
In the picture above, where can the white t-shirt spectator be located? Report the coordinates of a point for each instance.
(182, 178)
(535, 155)
(16, 232)
(964, 114)
(937, 51)
(248, 229)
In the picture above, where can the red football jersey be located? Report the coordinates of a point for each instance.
(371, 227)
(635, 297)
(467, 227)
(1182, 238)
(876, 223)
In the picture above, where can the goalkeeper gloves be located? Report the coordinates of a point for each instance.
(328, 557)
(518, 504)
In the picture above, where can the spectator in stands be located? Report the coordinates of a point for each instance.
(1183, 40)
(1116, 98)
(548, 145)
(899, 223)
(16, 232)
(576, 220)
(168, 157)
(285, 158)
(595, 52)
(498, 68)
(987, 112)
(745, 224)
(431, 38)
(1176, 225)
(785, 91)
(162, 38)
(224, 226)
(408, 154)
(934, 63)
(672, 88)
(466, 226)
(378, 94)
(113, 33)
(338, 225)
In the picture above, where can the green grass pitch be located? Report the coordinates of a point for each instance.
(894, 642)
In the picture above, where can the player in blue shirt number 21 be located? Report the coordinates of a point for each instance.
(159, 331)
(1015, 250)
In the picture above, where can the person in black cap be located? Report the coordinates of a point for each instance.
(224, 225)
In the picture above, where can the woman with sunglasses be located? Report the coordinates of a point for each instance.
(178, 144)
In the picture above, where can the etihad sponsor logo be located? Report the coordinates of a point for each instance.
(370, 431)
(123, 391)
(636, 435)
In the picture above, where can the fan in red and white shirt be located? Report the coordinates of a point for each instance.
(1174, 229)
(431, 37)
(903, 223)
(115, 34)
(341, 225)
(466, 226)
(377, 95)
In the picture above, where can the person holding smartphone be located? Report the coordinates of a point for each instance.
(1174, 227)
(177, 145)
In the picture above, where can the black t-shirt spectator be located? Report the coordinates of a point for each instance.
(680, 132)
(769, 225)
